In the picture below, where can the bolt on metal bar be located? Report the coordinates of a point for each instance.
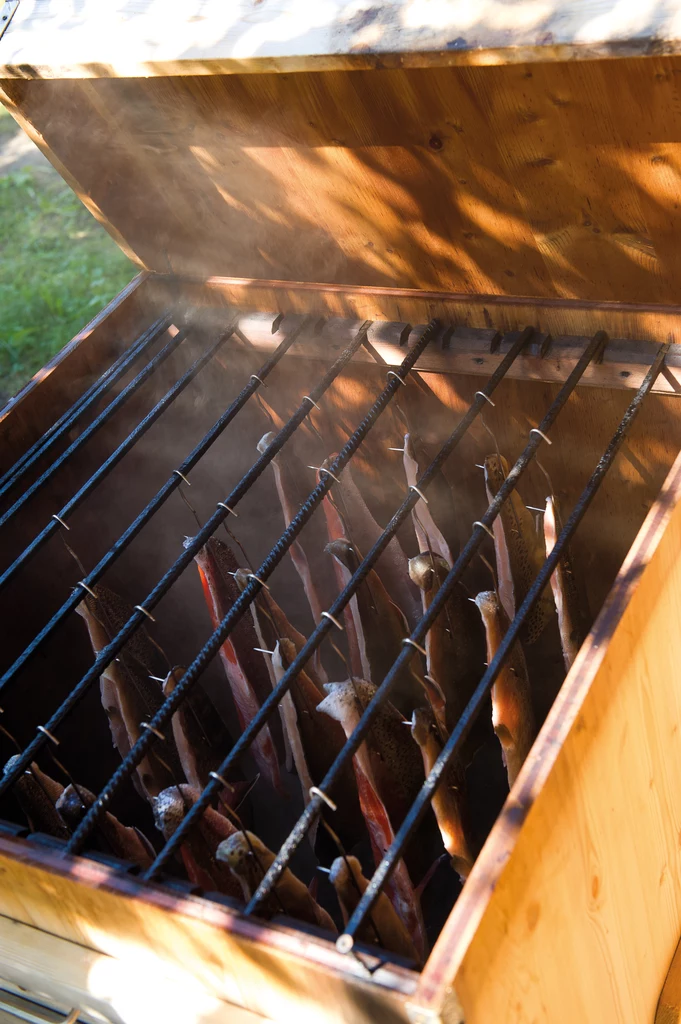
(314, 807)
(271, 703)
(474, 706)
(108, 653)
(100, 420)
(112, 461)
(171, 484)
(248, 595)
(96, 390)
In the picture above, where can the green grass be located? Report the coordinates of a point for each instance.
(58, 267)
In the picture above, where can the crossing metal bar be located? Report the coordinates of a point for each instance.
(96, 390)
(592, 351)
(247, 596)
(271, 704)
(345, 941)
(147, 513)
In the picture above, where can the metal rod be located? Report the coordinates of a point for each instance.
(112, 461)
(472, 709)
(108, 653)
(270, 705)
(248, 595)
(314, 807)
(161, 496)
(97, 389)
(100, 420)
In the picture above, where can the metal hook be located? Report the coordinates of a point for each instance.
(487, 398)
(81, 583)
(485, 528)
(316, 791)
(412, 643)
(311, 401)
(536, 430)
(221, 504)
(252, 576)
(140, 608)
(413, 487)
(254, 376)
(147, 725)
(219, 778)
(393, 373)
(181, 476)
(61, 522)
(330, 617)
(44, 731)
(323, 469)
(261, 650)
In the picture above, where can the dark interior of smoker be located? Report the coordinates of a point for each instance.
(430, 407)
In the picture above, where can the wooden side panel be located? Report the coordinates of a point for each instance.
(557, 179)
(573, 909)
(204, 950)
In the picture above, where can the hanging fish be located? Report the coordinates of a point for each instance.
(448, 801)
(245, 668)
(382, 925)
(129, 696)
(439, 503)
(572, 622)
(248, 858)
(519, 552)
(199, 848)
(384, 628)
(389, 775)
(293, 481)
(354, 631)
(512, 712)
(37, 794)
(200, 735)
(316, 740)
(363, 530)
(120, 840)
(455, 649)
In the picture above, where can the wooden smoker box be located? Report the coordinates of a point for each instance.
(497, 167)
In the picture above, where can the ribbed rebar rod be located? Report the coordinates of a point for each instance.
(271, 704)
(97, 389)
(138, 618)
(248, 595)
(98, 422)
(453, 745)
(57, 521)
(147, 513)
(314, 807)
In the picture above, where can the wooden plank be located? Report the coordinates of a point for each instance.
(120, 988)
(642, 321)
(53, 388)
(211, 951)
(133, 39)
(573, 909)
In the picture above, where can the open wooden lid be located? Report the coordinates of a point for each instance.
(422, 144)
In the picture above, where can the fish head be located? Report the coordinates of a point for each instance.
(422, 725)
(428, 570)
(339, 874)
(74, 802)
(347, 698)
(244, 853)
(241, 578)
(488, 605)
(344, 552)
(172, 679)
(170, 807)
(496, 471)
(265, 441)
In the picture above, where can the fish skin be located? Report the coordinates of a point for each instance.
(120, 840)
(293, 486)
(455, 649)
(384, 627)
(200, 735)
(389, 776)
(246, 670)
(448, 802)
(512, 712)
(354, 633)
(36, 793)
(519, 552)
(363, 530)
(316, 740)
(129, 696)
(428, 535)
(392, 932)
(293, 895)
(199, 849)
(572, 622)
